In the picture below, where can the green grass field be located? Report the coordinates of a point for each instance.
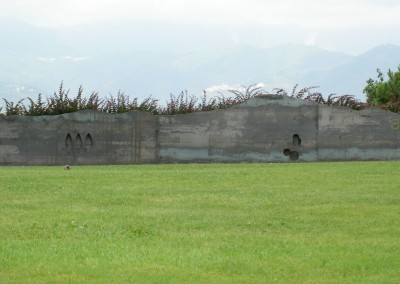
(218, 223)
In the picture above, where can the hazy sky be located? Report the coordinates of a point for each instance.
(351, 26)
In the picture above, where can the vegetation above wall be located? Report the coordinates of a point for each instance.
(61, 103)
(385, 94)
(380, 93)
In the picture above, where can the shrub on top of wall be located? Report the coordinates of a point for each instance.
(332, 100)
(60, 102)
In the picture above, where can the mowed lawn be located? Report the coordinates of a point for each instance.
(208, 223)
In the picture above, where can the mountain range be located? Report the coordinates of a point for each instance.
(35, 60)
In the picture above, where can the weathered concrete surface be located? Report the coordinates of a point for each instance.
(264, 129)
(369, 134)
(256, 131)
(84, 138)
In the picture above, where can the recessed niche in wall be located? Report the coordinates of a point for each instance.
(88, 142)
(286, 152)
(296, 140)
(293, 155)
(78, 143)
(68, 143)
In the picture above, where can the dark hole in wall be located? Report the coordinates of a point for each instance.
(286, 152)
(296, 140)
(68, 143)
(88, 142)
(78, 143)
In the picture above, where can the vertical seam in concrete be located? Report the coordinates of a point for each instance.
(157, 140)
(317, 138)
(138, 138)
(133, 142)
(27, 145)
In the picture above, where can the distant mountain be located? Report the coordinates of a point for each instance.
(351, 77)
(35, 60)
(281, 66)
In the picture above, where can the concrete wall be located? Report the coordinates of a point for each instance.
(84, 138)
(369, 134)
(264, 129)
(256, 131)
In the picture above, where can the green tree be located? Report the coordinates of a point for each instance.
(381, 92)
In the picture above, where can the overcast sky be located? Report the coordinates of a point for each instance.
(351, 26)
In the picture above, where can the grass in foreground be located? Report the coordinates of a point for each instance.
(218, 223)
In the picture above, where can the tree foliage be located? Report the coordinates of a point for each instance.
(384, 93)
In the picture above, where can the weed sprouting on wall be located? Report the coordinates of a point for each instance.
(60, 102)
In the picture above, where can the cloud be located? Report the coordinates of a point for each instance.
(341, 25)
(311, 39)
(321, 14)
(46, 59)
(226, 87)
(75, 59)
(68, 58)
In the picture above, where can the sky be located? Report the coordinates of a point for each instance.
(338, 25)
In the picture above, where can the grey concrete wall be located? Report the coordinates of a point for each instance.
(83, 138)
(264, 129)
(258, 130)
(369, 134)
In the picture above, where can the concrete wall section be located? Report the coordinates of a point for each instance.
(369, 134)
(264, 129)
(21, 145)
(100, 138)
(78, 138)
